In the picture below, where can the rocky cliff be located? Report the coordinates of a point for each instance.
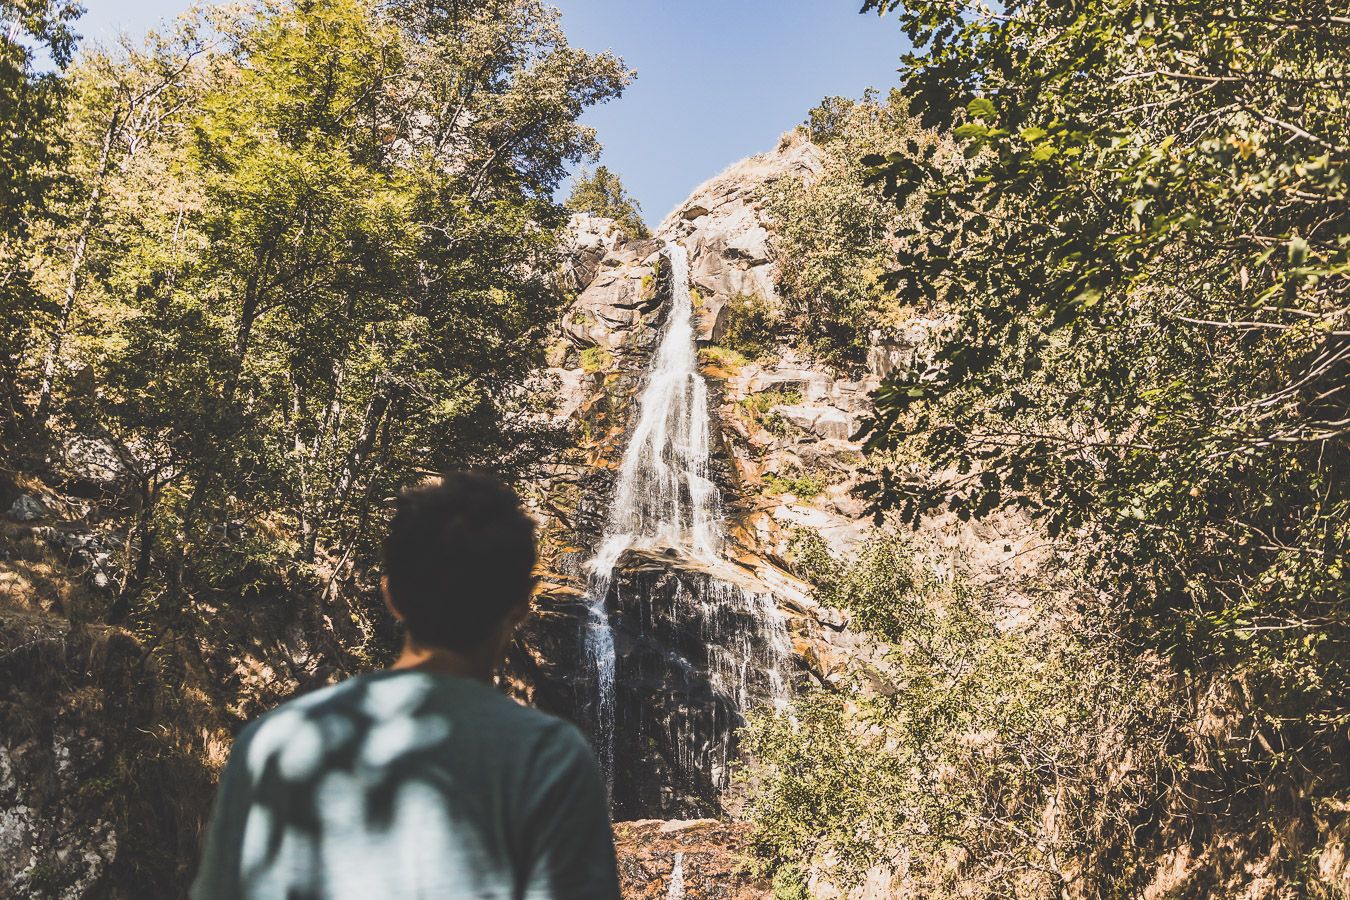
(783, 433)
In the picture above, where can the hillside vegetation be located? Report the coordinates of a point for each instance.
(260, 272)
(257, 274)
(1136, 264)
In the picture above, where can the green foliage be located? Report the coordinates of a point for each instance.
(751, 326)
(989, 758)
(601, 193)
(30, 161)
(297, 266)
(759, 408)
(832, 236)
(760, 403)
(722, 357)
(803, 485)
(1145, 248)
(596, 359)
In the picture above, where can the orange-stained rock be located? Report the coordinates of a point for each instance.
(714, 860)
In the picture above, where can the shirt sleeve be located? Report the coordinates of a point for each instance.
(570, 840)
(218, 875)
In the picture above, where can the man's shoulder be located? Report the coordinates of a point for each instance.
(543, 725)
(284, 722)
(364, 700)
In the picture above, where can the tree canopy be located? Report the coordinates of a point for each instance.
(303, 255)
(1141, 258)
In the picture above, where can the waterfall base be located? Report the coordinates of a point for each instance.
(693, 653)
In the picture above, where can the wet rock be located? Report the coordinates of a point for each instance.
(695, 650)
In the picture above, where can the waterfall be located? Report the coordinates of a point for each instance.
(664, 495)
(665, 499)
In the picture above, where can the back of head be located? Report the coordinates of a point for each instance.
(459, 558)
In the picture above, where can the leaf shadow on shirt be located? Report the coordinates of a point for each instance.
(377, 757)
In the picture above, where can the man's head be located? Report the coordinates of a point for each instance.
(458, 561)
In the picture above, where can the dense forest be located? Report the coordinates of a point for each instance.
(263, 270)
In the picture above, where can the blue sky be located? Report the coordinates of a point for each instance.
(717, 81)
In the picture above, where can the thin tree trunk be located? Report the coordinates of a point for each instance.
(365, 441)
(139, 573)
(303, 460)
(76, 265)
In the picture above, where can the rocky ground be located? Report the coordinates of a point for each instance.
(700, 859)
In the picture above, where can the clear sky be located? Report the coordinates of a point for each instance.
(717, 80)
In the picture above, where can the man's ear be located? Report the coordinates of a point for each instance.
(389, 600)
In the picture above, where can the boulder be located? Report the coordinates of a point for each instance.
(27, 507)
(822, 421)
(712, 321)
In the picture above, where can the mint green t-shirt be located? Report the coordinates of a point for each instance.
(409, 785)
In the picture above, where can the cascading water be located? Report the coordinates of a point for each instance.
(665, 500)
(676, 889)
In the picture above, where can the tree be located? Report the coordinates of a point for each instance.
(1144, 252)
(309, 263)
(601, 193)
(29, 146)
(833, 236)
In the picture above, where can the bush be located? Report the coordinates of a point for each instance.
(833, 236)
(758, 404)
(722, 358)
(989, 760)
(751, 326)
(596, 359)
(803, 485)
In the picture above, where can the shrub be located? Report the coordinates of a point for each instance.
(803, 485)
(758, 404)
(750, 326)
(990, 758)
(596, 359)
(722, 358)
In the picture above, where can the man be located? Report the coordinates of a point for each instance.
(422, 780)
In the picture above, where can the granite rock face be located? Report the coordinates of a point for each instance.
(588, 240)
(728, 235)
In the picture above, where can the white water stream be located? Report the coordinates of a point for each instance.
(665, 498)
(676, 889)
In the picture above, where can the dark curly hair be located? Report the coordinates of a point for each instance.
(459, 557)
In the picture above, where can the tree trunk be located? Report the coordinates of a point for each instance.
(365, 441)
(58, 338)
